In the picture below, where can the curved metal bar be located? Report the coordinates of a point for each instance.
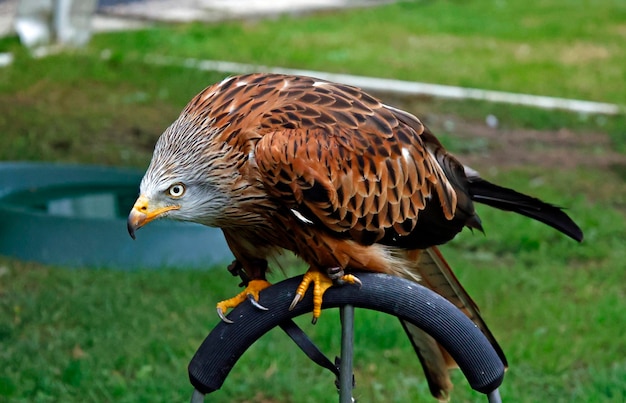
(395, 296)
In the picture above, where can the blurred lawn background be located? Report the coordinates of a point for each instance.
(556, 307)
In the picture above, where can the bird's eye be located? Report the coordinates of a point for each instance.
(176, 190)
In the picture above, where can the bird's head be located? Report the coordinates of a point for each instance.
(184, 181)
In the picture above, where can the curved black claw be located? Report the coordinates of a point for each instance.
(255, 303)
(223, 317)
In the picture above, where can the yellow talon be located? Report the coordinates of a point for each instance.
(251, 292)
(321, 283)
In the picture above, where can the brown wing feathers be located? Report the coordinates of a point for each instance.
(359, 170)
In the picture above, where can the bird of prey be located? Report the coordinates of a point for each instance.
(346, 182)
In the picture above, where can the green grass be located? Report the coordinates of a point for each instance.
(560, 48)
(556, 307)
(112, 335)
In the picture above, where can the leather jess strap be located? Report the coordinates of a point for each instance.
(306, 345)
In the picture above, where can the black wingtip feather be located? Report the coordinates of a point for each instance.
(507, 199)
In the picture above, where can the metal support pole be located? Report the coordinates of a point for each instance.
(494, 396)
(347, 344)
(197, 397)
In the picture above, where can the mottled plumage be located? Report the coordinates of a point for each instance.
(328, 172)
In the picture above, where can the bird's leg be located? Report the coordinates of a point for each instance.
(251, 292)
(339, 277)
(236, 269)
(321, 282)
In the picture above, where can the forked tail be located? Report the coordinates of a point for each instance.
(502, 198)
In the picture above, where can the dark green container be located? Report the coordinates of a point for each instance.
(74, 215)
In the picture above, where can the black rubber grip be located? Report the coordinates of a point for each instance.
(389, 294)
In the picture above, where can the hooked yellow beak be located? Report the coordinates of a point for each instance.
(141, 214)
